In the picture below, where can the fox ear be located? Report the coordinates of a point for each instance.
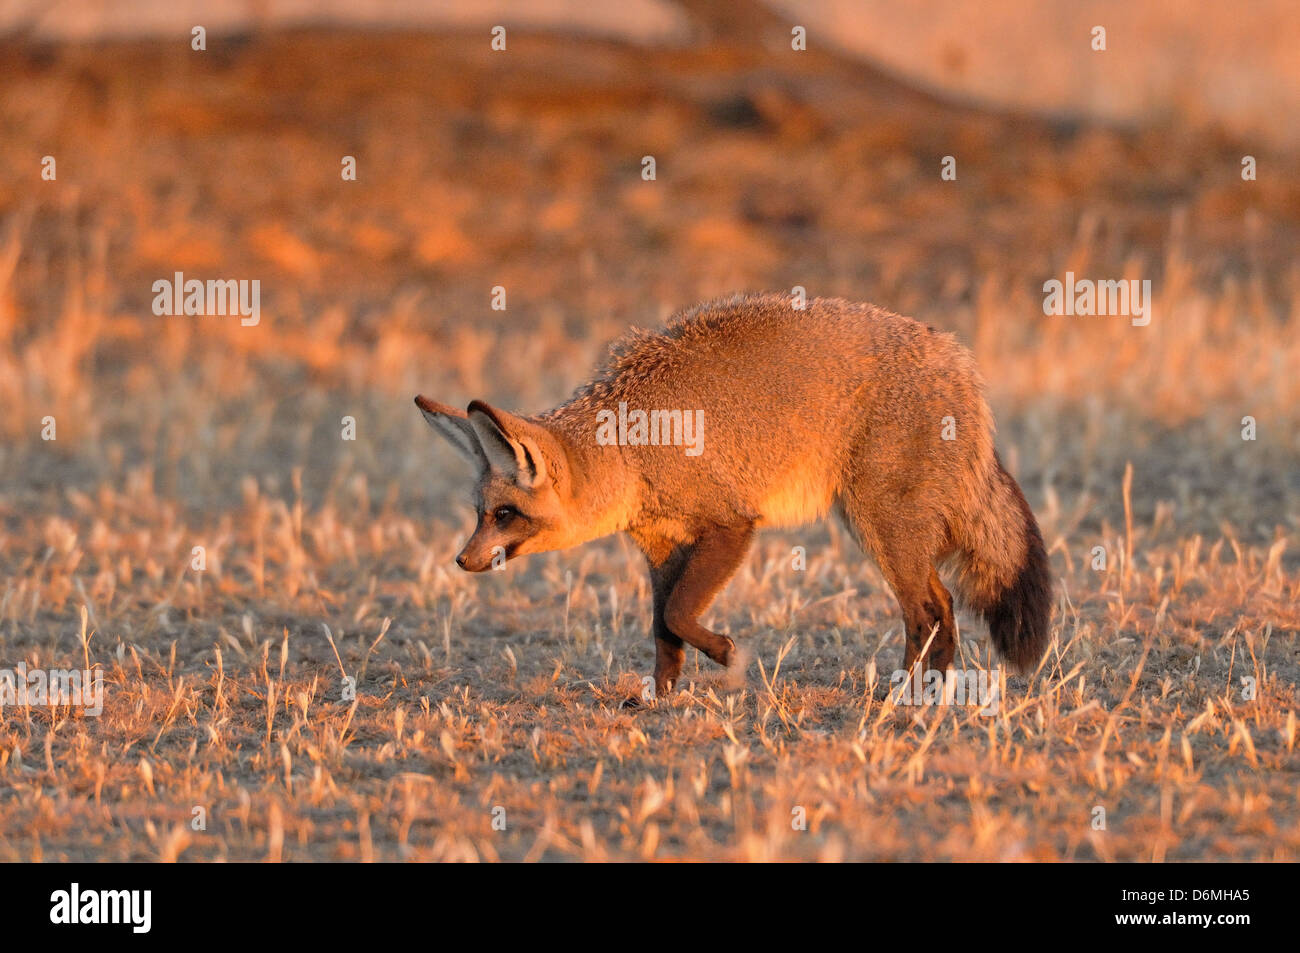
(510, 443)
(455, 426)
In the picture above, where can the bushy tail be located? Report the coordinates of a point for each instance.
(1004, 573)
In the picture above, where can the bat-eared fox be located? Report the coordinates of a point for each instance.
(751, 412)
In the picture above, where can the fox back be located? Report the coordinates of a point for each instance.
(784, 395)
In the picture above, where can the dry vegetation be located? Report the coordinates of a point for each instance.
(224, 688)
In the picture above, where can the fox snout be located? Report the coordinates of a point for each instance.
(493, 541)
(473, 562)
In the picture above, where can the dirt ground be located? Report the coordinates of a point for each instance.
(486, 722)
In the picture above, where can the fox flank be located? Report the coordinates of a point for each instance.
(837, 408)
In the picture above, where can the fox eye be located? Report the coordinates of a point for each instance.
(503, 514)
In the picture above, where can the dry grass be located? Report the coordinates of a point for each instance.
(224, 688)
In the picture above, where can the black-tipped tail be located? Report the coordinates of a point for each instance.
(1020, 616)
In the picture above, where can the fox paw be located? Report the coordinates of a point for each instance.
(736, 665)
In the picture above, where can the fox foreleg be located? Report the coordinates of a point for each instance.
(685, 582)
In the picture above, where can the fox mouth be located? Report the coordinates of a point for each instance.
(469, 565)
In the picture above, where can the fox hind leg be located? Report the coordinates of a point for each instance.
(937, 611)
(906, 554)
(931, 632)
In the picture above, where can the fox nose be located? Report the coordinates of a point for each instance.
(461, 560)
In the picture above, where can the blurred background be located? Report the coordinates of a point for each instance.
(521, 169)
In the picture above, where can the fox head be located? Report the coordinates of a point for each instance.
(523, 492)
